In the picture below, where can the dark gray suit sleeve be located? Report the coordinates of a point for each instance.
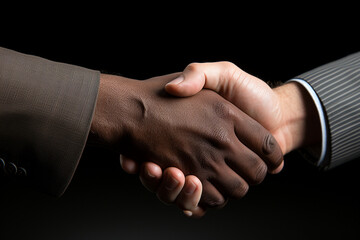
(45, 115)
(337, 85)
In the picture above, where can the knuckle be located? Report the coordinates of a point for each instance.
(223, 110)
(233, 72)
(222, 136)
(259, 174)
(228, 65)
(272, 150)
(240, 190)
(209, 164)
(269, 144)
(256, 170)
(212, 199)
(193, 66)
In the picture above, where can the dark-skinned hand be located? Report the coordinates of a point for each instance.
(203, 135)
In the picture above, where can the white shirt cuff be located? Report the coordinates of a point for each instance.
(321, 113)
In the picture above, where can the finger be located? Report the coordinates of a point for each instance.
(255, 137)
(211, 197)
(245, 163)
(232, 83)
(128, 165)
(278, 169)
(198, 212)
(150, 176)
(189, 197)
(187, 84)
(171, 184)
(230, 183)
(195, 77)
(202, 75)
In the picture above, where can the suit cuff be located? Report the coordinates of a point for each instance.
(46, 110)
(324, 135)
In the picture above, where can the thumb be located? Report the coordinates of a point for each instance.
(197, 76)
(189, 83)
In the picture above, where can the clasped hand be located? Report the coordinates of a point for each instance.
(210, 150)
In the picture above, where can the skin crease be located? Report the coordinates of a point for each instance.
(287, 111)
(203, 135)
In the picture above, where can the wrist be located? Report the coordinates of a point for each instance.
(300, 123)
(112, 111)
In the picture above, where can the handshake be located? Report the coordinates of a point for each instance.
(200, 137)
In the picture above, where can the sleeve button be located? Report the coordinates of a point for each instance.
(21, 172)
(11, 168)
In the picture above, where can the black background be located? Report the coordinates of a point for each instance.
(102, 201)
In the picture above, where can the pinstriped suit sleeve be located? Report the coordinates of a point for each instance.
(337, 84)
(46, 110)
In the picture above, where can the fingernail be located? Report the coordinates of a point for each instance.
(188, 213)
(177, 80)
(149, 174)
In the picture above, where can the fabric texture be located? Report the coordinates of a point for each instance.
(337, 85)
(46, 109)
